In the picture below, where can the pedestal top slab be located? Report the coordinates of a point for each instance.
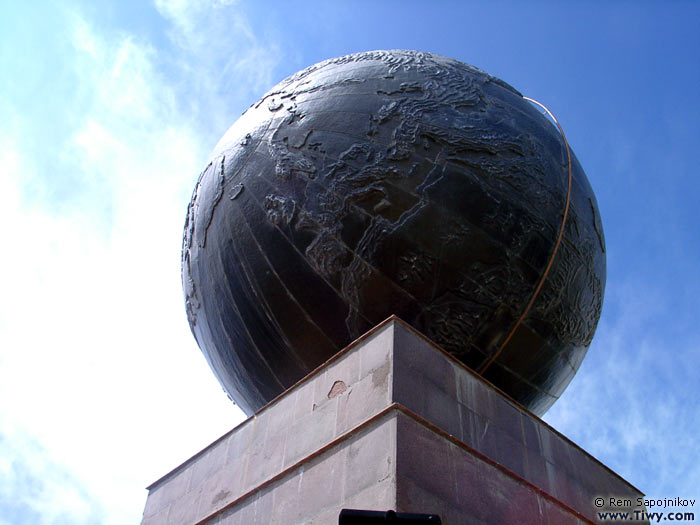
(387, 382)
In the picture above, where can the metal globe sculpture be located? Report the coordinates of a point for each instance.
(393, 182)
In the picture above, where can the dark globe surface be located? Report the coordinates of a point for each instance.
(393, 182)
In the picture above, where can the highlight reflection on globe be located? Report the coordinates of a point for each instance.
(393, 182)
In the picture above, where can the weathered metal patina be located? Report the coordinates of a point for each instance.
(393, 182)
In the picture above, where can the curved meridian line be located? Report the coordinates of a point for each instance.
(554, 251)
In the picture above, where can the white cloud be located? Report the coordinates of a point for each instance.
(224, 63)
(99, 375)
(34, 487)
(631, 405)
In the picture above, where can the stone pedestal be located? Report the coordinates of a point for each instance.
(391, 422)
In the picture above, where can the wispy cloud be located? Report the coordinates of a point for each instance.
(223, 64)
(98, 369)
(36, 490)
(631, 403)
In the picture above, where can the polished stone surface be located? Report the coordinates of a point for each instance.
(392, 182)
(376, 429)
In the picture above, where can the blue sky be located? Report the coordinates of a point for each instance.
(108, 111)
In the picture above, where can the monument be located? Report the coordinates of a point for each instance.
(393, 263)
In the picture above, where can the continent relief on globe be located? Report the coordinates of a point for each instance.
(393, 182)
